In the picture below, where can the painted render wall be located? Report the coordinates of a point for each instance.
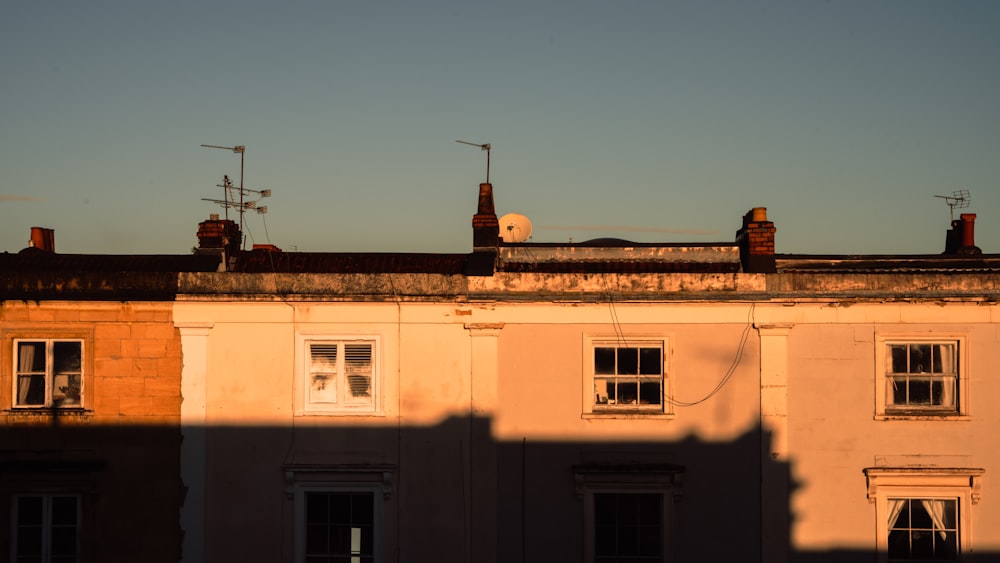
(481, 422)
(834, 432)
(474, 397)
(253, 434)
(717, 442)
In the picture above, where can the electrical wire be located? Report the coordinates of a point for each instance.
(732, 367)
(619, 332)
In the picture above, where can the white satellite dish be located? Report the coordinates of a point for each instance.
(515, 227)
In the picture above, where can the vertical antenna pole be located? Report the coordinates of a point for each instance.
(243, 242)
(486, 147)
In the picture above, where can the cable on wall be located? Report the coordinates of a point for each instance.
(619, 333)
(732, 367)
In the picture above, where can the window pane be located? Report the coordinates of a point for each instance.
(66, 390)
(323, 388)
(31, 390)
(920, 392)
(921, 544)
(920, 358)
(317, 538)
(66, 357)
(63, 540)
(649, 393)
(628, 361)
(323, 373)
(649, 361)
(604, 361)
(317, 508)
(897, 353)
(628, 526)
(29, 543)
(946, 548)
(604, 390)
(628, 392)
(29, 511)
(31, 357)
(64, 510)
(358, 367)
(28, 530)
(605, 540)
(944, 358)
(897, 391)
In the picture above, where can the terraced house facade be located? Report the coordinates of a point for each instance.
(595, 401)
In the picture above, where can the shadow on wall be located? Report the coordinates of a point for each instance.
(443, 493)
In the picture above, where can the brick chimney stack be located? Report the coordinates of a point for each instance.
(485, 235)
(961, 239)
(219, 236)
(756, 242)
(42, 239)
(485, 225)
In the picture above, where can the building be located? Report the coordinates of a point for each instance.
(594, 401)
(90, 395)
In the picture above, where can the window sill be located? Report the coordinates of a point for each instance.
(628, 415)
(333, 413)
(45, 415)
(929, 416)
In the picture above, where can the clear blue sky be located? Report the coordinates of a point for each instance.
(843, 118)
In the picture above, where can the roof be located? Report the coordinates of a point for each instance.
(39, 274)
(262, 261)
(34, 259)
(882, 263)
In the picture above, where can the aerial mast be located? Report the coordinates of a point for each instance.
(486, 147)
(227, 187)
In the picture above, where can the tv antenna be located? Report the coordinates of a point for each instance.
(485, 147)
(229, 199)
(957, 200)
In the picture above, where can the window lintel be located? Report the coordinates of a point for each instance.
(956, 477)
(327, 474)
(645, 476)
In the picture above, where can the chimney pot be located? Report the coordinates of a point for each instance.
(43, 239)
(969, 234)
(968, 229)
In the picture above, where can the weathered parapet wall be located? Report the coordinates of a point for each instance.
(522, 286)
(89, 286)
(322, 287)
(620, 286)
(701, 254)
(435, 287)
(886, 285)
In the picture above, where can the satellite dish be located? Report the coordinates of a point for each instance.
(515, 227)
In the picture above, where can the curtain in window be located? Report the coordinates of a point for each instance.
(936, 509)
(895, 508)
(946, 353)
(25, 365)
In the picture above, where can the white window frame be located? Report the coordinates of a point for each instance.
(961, 484)
(886, 411)
(47, 525)
(640, 479)
(378, 517)
(592, 409)
(49, 374)
(303, 363)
